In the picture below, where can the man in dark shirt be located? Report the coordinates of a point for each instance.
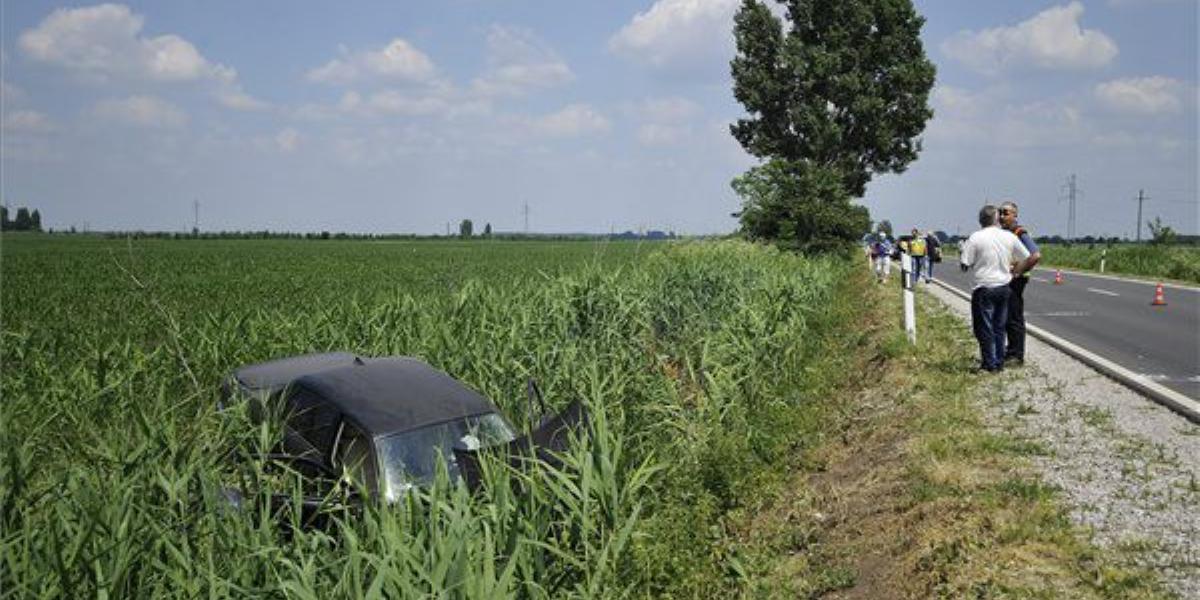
(1015, 328)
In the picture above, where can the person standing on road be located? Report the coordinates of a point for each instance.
(989, 254)
(933, 248)
(917, 249)
(1015, 327)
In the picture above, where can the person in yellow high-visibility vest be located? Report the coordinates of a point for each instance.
(917, 249)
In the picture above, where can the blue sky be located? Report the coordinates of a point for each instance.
(403, 117)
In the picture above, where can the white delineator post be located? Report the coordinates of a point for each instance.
(1103, 255)
(910, 315)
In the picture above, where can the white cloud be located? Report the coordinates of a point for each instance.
(287, 140)
(438, 99)
(401, 103)
(671, 110)
(678, 34)
(573, 120)
(1145, 95)
(518, 62)
(144, 111)
(1051, 39)
(992, 119)
(28, 121)
(233, 97)
(104, 42)
(664, 121)
(398, 60)
(10, 94)
(657, 134)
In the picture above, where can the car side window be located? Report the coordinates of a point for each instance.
(314, 419)
(354, 454)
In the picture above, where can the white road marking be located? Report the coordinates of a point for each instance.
(1040, 279)
(1105, 292)
(1063, 313)
(1170, 379)
(1147, 281)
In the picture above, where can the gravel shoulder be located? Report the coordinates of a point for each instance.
(1129, 468)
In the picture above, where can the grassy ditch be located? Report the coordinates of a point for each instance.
(914, 495)
(705, 366)
(1180, 263)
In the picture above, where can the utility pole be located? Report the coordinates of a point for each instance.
(1071, 220)
(525, 210)
(1072, 191)
(196, 216)
(1141, 198)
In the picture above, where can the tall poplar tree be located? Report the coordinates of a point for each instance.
(838, 95)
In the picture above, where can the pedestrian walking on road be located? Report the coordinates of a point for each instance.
(933, 248)
(989, 254)
(917, 249)
(1015, 328)
(881, 256)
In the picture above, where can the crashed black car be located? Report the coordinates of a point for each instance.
(384, 424)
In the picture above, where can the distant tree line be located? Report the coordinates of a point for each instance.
(326, 235)
(26, 220)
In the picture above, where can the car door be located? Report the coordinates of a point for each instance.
(545, 442)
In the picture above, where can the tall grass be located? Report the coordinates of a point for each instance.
(692, 359)
(1170, 262)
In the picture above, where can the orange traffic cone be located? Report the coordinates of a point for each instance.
(1057, 277)
(1158, 296)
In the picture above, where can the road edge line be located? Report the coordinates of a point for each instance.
(1184, 406)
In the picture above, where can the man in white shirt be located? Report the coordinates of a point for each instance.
(993, 256)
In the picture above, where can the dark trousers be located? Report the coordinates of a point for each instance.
(1015, 328)
(989, 313)
(918, 265)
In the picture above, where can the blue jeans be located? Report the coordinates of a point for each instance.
(919, 263)
(989, 314)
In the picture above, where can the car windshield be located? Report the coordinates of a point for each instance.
(410, 458)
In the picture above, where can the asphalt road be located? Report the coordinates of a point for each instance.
(1114, 319)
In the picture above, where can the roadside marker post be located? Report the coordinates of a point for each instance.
(906, 280)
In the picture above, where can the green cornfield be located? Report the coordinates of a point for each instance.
(1181, 263)
(701, 363)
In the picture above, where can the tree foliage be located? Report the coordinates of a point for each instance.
(838, 95)
(802, 209)
(24, 221)
(466, 228)
(1160, 233)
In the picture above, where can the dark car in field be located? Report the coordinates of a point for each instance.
(383, 425)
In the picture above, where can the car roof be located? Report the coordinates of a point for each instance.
(391, 395)
(273, 376)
